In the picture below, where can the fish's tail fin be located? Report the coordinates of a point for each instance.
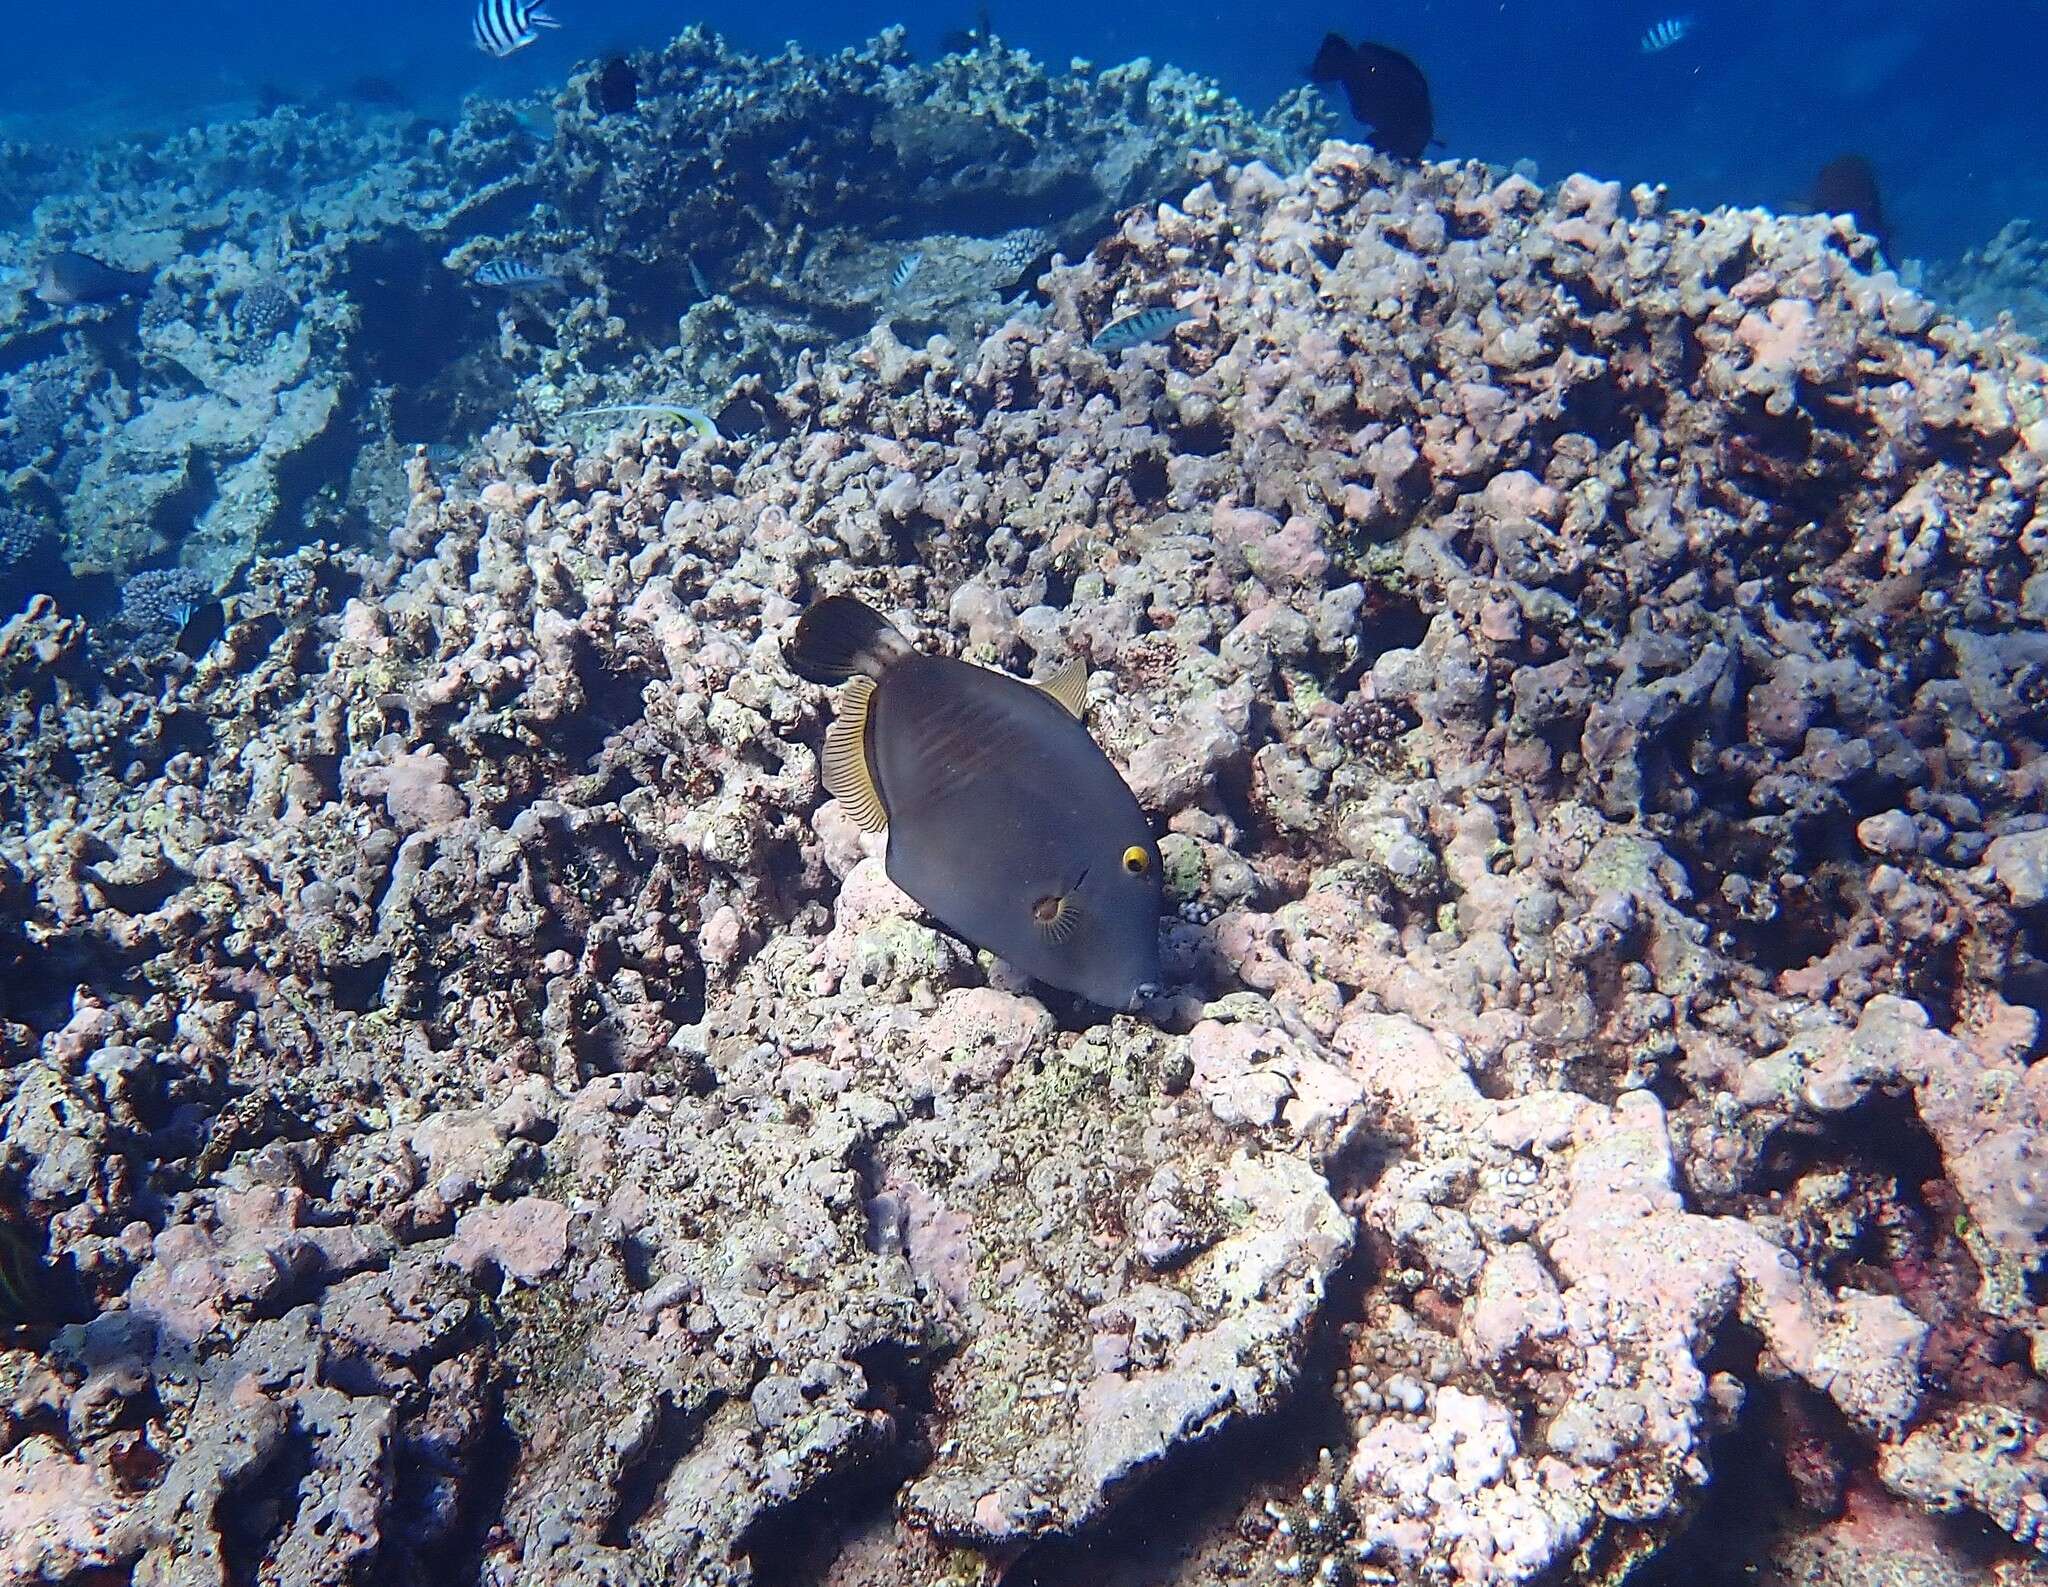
(839, 637)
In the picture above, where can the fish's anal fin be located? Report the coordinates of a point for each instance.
(847, 777)
(1069, 687)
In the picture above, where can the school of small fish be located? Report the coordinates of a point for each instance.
(504, 26)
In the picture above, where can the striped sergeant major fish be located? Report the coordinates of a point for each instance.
(503, 26)
(1660, 36)
(906, 267)
(515, 275)
(1135, 330)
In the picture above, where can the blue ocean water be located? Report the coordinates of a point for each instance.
(1946, 101)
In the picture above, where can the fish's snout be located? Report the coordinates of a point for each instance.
(1143, 994)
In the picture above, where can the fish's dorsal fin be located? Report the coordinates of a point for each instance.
(1069, 687)
(847, 777)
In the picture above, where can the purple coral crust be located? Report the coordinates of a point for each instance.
(1567, 644)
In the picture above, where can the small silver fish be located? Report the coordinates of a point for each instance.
(1662, 35)
(515, 275)
(697, 276)
(503, 26)
(699, 422)
(1134, 330)
(906, 267)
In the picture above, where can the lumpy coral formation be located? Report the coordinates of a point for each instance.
(1579, 653)
(315, 310)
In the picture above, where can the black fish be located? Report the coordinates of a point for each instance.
(70, 277)
(616, 87)
(1388, 93)
(1005, 819)
(965, 41)
(1848, 186)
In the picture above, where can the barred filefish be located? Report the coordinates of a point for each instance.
(1134, 330)
(515, 275)
(1662, 35)
(503, 26)
(1005, 819)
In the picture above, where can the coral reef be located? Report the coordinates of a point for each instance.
(2008, 276)
(1583, 658)
(313, 316)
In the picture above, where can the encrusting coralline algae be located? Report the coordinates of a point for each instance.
(508, 1118)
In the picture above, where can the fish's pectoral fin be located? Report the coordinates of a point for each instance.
(1069, 687)
(847, 777)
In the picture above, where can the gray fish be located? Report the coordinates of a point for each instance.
(1134, 330)
(906, 267)
(697, 276)
(1005, 819)
(515, 275)
(70, 277)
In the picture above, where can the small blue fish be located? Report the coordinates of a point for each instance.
(515, 275)
(906, 267)
(503, 26)
(1134, 330)
(697, 276)
(1662, 35)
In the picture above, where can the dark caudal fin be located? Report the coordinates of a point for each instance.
(840, 636)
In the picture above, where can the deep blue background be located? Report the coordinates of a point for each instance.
(1946, 98)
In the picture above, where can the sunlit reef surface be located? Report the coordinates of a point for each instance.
(493, 1119)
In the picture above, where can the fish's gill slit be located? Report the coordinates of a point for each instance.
(1057, 916)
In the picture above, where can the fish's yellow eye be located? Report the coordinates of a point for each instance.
(1136, 860)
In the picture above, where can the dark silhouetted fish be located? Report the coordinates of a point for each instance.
(965, 41)
(70, 277)
(1848, 186)
(1388, 93)
(1005, 819)
(616, 87)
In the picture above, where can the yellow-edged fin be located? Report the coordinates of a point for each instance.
(847, 777)
(1069, 686)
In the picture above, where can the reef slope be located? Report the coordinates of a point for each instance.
(1587, 660)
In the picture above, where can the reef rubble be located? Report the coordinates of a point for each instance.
(1584, 658)
(316, 313)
